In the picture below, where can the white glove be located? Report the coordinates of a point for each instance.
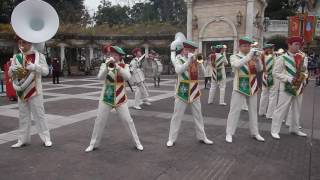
(117, 66)
(18, 88)
(190, 57)
(31, 67)
(110, 60)
(13, 68)
(103, 66)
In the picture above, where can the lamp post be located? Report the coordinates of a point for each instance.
(239, 18)
(266, 23)
(303, 5)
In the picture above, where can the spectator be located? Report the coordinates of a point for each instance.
(56, 70)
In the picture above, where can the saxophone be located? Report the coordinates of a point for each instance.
(300, 73)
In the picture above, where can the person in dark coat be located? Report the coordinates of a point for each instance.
(56, 69)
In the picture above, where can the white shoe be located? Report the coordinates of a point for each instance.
(275, 135)
(245, 109)
(258, 137)
(223, 104)
(18, 145)
(89, 148)
(170, 144)
(299, 133)
(207, 141)
(147, 103)
(229, 138)
(48, 144)
(137, 107)
(139, 147)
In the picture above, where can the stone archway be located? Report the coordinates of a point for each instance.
(219, 19)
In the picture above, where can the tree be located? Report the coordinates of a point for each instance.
(111, 15)
(143, 12)
(173, 11)
(281, 9)
(6, 8)
(279, 41)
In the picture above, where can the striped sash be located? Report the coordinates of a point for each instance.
(218, 68)
(247, 80)
(291, 70)
(188, 87)
(267, 78)
(30, 90)
(114, 92)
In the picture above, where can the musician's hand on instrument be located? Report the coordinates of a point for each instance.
(31, 67)
(18, 88)
(191, 57)
(13, 68)
(109, 60)
(253, 52)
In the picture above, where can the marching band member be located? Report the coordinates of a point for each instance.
(187, 92)
(208, 66)
(218, 77)
(246, 64)
(291, 70)
(26, 70)
(114, 73)
(138, 78)
(270, 85)
(156, 67)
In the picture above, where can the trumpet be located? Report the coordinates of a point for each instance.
(257, 51)
(199, 58)
(110, 63)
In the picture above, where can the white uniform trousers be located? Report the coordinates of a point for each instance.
(264, 101)
(179, 109)
(34, 107)
(268, 100)
(237, 101)
(101, 120)
(282, 109)
(212, 91)
(141, 92)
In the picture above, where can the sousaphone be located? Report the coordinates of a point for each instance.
(34, 21)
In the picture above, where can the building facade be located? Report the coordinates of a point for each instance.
(211, 22)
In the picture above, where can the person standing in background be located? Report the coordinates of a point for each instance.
(56, 70)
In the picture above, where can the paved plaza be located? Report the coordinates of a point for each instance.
(71, 108)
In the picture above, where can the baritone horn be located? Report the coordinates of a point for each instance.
(178, 41)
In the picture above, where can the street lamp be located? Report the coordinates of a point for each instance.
(266, 23)
(239, 18)
(303, 5)
(258, 20)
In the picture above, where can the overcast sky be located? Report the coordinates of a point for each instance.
(92, 5)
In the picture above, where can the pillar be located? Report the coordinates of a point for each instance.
(189, 18)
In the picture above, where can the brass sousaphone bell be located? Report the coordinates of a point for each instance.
(35, 21)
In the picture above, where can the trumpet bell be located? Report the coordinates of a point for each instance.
(199, 58)
(35, 21)
(111, 66)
